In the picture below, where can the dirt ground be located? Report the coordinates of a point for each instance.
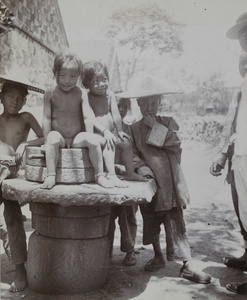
(213, 233)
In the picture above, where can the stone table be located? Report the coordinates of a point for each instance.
(68, 252)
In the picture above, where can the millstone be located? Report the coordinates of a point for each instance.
(74, 166)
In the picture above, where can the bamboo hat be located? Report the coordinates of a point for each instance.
(15, 75)
(148, 87)
(241, 23)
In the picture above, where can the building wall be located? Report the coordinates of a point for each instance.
(41, 19)
(33, 42)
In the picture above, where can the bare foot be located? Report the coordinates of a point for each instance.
(155, 264)
(104, 182)
(116, 181)
(132, 176)
(49, 182)
(20, 280)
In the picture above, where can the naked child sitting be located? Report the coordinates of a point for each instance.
(104, 105)
(68, 122)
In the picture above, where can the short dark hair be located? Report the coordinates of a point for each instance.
(61, 58)
(90, 69)
(10, 85)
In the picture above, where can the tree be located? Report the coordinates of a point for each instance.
(143, 28)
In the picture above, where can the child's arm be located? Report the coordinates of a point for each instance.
(46, 123)
(87, 112)
(90, 121)
(34, 125)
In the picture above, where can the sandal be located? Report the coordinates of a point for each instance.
(130, 259)
(237, 288)
(236, 262)
(187, 272)
(154, 265)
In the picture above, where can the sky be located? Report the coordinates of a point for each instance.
(206, 48)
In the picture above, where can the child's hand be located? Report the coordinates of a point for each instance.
(20, 151)
(215, 169)
(122, 135)
(149, 120)
(110, 139)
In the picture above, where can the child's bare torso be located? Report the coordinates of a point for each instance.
(101, 108)
(14, 129)
(66, 113)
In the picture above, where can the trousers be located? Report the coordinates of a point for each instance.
(177, 245)
(127, 223)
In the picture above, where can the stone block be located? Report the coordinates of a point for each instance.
(74, 166)
(55, 221)
(71, 176)
(66, 266)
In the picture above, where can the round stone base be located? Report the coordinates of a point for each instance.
(66, 266)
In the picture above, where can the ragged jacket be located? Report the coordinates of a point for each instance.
(159, 148)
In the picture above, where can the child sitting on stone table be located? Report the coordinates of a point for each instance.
(104, 105)
(68, 122)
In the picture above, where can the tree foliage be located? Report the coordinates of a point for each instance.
(143, 28)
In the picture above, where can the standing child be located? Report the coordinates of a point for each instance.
(67, 115)
(126, 214)
(156, 143)
(14, 131)
(104, 105)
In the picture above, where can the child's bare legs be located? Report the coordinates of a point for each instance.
(109, 157)
(127, 158)
(4, 169)
(92, 142)
(54, 142)
(20, 280)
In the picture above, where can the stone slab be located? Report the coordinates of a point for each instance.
(24, 191)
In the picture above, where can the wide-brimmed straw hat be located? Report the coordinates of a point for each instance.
(233, 32)
(15, 75)
(148, 87)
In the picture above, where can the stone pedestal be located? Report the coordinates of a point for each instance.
(68, 252)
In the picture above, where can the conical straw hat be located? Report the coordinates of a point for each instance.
(241, 23)
(148, 87)
(15, 75)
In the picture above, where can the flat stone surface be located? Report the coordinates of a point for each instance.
(24, 191)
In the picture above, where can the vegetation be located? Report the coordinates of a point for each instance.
(144, 28)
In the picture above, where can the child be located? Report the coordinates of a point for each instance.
(126, 214)
(67, 115)
(15, 128)
(156, 143)
(103, 103)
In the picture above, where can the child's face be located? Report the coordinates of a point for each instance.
(123, 107)
(13, 100)
(99, 85)
(68, 76)
(149, 105)
(242, 63)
